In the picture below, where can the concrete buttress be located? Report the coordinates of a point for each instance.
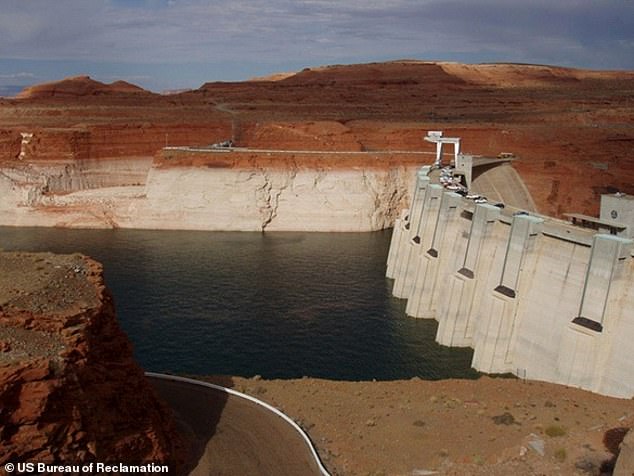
(534, 296)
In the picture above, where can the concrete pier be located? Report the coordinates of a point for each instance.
(422, 302)
(402, 273)
(421, 240)
(496, 323)
(534, 296)
(474, 253)
(397, 231)
(402, 224)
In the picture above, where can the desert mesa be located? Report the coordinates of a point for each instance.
(325, 149)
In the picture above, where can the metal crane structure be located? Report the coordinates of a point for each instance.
(437, 138)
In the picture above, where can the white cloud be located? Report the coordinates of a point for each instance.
(579, 32)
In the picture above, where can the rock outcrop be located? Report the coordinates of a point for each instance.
(70, 391)
(79, 86)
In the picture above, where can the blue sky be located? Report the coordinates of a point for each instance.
(173, 44)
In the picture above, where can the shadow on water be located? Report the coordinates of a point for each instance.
(281, 305)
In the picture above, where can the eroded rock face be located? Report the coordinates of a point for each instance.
(70, 391)
(212, 191)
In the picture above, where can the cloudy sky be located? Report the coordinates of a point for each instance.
(171, 44)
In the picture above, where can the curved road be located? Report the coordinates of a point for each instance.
(234, 434)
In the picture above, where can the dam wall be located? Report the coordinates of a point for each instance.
(533, 296)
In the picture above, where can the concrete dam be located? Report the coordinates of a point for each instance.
(540, 298)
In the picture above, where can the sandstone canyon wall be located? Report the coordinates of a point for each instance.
(211, 191)
(70, 391)
(78, 152)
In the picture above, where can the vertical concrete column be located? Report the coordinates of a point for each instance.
(424, 235)
(399, 223)
(464, 163)
(616, 366)
(455, 326)
(423, 298)
(429, 218)
(496, 320)
(438, 154)
(400, 229)
(402, 264)
(586, 353)
(409, 222)
(523, 229)
(483, 216)
(606, 264)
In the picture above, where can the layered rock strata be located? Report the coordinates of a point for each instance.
(244, 191)
(70, 391)
(572, 128)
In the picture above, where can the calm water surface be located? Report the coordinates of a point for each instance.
(282, 305)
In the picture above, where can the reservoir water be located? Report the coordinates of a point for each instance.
(281, 305)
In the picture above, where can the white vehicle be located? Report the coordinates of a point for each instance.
(222, 145)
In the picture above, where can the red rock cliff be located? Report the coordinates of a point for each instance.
(572, 128)
(70, 391)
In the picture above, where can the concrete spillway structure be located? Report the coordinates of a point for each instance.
(495, 179)
(534, 296)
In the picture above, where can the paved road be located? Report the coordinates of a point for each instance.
(236, 436)
(287, 151)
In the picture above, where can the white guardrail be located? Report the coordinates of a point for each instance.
(265, 405)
